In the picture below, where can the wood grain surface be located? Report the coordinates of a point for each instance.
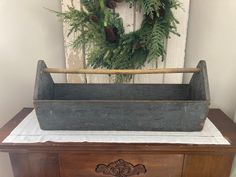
(35, 164)
(157, 165)
(207, 165)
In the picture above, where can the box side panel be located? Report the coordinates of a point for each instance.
(199, 84)
(44, 85)
(122, 92)
(135, 116)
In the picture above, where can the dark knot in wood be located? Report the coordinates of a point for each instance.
(120, 168)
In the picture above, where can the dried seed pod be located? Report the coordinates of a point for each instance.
(137, 45)
(110, 35)
(94, 18)
(119, 0)
(162, 12)
(111, 4)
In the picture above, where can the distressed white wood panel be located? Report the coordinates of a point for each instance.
(127, 14)
(132, 19)
(176, 45)
(74, 58)
(97, 78)
(150, 78)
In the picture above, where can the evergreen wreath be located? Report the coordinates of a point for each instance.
(100, 30)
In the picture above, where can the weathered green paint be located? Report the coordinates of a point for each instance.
(131, 107)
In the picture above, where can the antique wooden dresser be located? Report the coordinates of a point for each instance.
(119, 159)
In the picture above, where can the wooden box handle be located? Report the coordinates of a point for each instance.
(122, 71)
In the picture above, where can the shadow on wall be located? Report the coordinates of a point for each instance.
(211, 37)
(28, 33)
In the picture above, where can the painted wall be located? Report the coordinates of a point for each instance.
(212, 36)
(28, 32)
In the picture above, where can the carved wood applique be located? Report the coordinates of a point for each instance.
(120, 168)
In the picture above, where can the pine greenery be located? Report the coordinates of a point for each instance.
(100, 30)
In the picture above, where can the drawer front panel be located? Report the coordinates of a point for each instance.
(121, 165)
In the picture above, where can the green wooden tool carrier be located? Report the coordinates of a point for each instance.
(126, 107)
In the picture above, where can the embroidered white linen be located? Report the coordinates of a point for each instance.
(28, 131)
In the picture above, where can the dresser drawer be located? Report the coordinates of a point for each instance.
(120, 165)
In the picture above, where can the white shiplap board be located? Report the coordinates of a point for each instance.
(176, 45)
(74, 58)
(132, 19)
